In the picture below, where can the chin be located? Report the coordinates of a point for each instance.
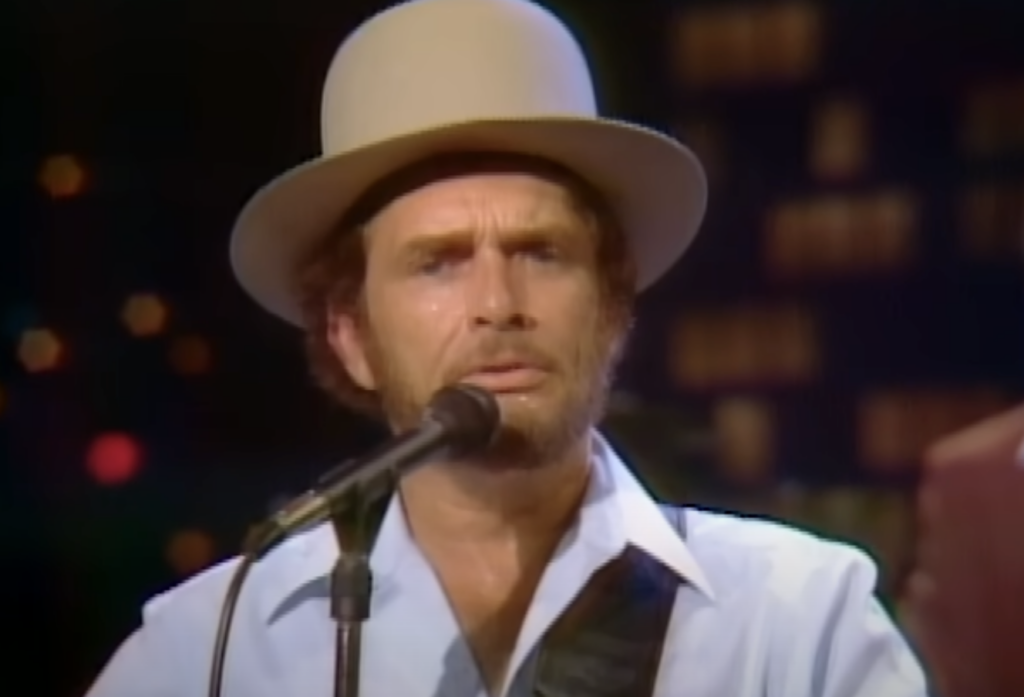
(525, 409)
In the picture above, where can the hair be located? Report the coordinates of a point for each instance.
(330, 279)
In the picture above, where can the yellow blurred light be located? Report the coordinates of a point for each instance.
(839, 139)
(886, 425)
(894, 213)
(785, 245)
(790, 344)
(992, 221)
(191, 355)
(742, 44)
(39, 350)
(830, 239)
(982, 124)
(62, 176)
(695, 47)
(744, 346)
(991, 124)
(841, 234)
(745, 431)
(190, 551)
(888, 225)
(896, 426)
(789, 40)
(738, 31)
(144, 314)
(692, 352)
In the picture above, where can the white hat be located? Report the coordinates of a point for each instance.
(429, 77)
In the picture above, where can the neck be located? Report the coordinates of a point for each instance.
(459, 504)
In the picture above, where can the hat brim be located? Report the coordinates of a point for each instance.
(654, 184)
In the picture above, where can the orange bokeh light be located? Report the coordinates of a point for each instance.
(144, 314)
(839, 139)
(39, 350)
(190, 551)
(191, 355)
(114, 458)
(745, 429)
(62, 176)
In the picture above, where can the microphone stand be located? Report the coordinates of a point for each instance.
(352, 581)
(459, 418)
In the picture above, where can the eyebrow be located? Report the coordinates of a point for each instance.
(445, 240)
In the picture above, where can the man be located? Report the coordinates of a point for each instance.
(473, 219)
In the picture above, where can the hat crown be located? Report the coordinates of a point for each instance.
(430, 63)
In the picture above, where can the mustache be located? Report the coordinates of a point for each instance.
(500, 349)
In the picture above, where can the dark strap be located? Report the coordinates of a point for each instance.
(609, 642)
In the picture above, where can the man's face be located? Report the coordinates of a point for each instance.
(489, 278)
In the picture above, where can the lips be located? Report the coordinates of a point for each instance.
(507, 376)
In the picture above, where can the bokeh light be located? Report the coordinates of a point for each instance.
(40, 350)
(832, 235)
(745, 345)
(190, 355)
(144, 314)
(190, 551)
(745, 429)
(992, 220)
(735, 45)
(114, 458)
(839, 139)
(897, 425)
(62, 176)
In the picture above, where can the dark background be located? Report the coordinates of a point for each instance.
(136, 453)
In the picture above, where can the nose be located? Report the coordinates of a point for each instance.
(495, 296)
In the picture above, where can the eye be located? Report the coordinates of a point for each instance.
(440, 261)
(541, 251)
(433, 265)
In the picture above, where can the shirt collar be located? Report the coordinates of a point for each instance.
(617, 511)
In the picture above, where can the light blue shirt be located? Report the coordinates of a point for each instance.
(763, 611)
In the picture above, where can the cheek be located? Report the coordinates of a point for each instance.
(416, 332)
(573, 315)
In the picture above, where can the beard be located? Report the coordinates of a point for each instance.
(537, 427)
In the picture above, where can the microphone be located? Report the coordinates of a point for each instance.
(458, 421)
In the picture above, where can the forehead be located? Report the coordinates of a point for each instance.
(480, 201)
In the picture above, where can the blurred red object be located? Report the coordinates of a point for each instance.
(966, 597)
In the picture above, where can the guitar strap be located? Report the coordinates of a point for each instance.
(609, 642)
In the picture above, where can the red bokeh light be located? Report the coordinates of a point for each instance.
(114, 458)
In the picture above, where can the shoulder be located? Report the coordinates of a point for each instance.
(815, 599)
(195, 596)
(194, 605)
(172, 648)
(743, 553)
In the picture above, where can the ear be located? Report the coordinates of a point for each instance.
(345, 338)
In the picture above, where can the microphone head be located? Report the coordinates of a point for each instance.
(469, 414)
